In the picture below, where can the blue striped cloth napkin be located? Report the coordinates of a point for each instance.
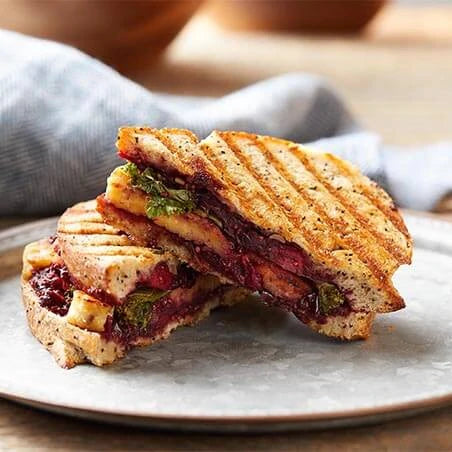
(60, 109)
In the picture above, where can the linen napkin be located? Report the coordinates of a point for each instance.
(60, 110)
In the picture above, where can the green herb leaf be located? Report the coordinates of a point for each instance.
(329, 297)
(137, 308)
(162, 200)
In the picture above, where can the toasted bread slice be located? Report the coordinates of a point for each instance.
(346, 224)
(71, 344)
(100, 257)
(68, 344)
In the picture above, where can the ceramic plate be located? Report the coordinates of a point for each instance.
(250, 367)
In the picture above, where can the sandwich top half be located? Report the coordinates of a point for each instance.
(90, 294)
(304, 228)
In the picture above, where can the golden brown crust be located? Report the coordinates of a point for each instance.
(98, 256)
(342, 220)
(68, 344)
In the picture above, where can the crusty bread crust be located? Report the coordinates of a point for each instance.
(355, 325)
(71, 345)
(99, 257)
(68, 344)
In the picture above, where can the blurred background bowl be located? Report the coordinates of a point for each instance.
(325, 16)
(121, 33)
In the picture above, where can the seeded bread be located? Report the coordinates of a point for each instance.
(355, 325)
(347, 224)
(100, 257)
(71, 345)
(68, 344)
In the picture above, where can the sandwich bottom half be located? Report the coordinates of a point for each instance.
(76, 327)
(343, 323)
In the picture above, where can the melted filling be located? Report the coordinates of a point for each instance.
(168, 310)
(162, 278)
(289, 291)
(241, 233)
(246, 235)
(257, 259)
(246, 269)
(54, 287)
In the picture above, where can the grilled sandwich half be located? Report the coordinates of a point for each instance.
(91, 295)
(304, 228)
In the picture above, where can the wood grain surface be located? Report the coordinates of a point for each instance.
(397, 79)
(22, 427)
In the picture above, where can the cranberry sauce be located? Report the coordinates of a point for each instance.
(242, 233)
(241, 266)
(236, 267)
(53, 285)
(302, 300)
(172, 308)
(246, 235)
(162, 278)
(307, 309)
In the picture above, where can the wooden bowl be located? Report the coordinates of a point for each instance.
(330, 16)
(118, 32)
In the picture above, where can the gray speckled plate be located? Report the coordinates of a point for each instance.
(250, 367)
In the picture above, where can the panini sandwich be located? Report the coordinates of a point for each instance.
(303, 228)
(91, 295)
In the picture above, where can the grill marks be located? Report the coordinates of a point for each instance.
(342, 232)
(86, 228)
(345, 229)
(268, 196)
(94, 237)
(397, 252)
(82, 228)
(188, 141)
(103, 261)
(239, 192)
(382, 202)
(306, 205)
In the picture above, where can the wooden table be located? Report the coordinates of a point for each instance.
(397, 78)
(26, 428)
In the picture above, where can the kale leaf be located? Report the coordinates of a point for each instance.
(162, 200)
(329, 297)
(137, 308)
